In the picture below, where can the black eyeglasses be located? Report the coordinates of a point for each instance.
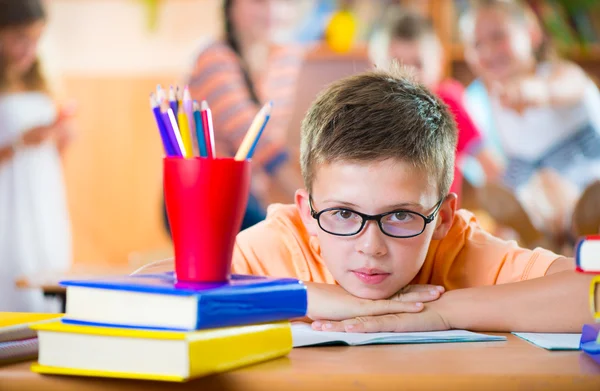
(397, 223)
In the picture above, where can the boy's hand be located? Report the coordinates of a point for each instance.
(427, 320)
(332, 302)
(419, 293)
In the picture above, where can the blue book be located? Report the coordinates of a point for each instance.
(159, 301)
(589, 341)
(592, 350)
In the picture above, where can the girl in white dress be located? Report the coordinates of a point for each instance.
(547, 115)
(35, 232)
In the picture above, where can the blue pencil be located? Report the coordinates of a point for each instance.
(164, 134)
(267, 114)
(200, 131)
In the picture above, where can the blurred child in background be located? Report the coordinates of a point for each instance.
(34, 223)
(409, 38)
(546, 112)
(240, 72)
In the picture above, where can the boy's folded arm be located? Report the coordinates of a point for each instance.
(557, 302)
(332, 302)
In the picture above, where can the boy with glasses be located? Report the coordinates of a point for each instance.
(377, 236)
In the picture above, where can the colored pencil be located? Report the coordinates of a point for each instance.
(251, 134)
(267, 116)
(184, 128)
(160, 95)
(188, 108)
(207, 127)
(176, 131)
(173, 131)
(173, 101)
(202, 151)
(164, 133)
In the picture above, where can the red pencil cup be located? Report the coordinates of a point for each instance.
(205, 200)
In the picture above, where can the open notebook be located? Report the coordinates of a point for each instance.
(553, 341)
(303, 335)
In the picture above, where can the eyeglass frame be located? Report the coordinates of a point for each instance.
(366, 217)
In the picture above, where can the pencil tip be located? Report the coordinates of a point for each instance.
(204, 105)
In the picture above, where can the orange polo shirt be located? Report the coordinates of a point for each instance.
(468, 256)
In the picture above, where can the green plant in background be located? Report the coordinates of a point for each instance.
(584, 15)
(578, 4)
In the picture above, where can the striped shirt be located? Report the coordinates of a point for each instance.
(217, 76)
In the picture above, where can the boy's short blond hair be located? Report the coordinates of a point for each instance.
(375, 116)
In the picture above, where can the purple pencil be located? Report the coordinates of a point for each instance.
(164, 133)
(173, 103)
(170, 130)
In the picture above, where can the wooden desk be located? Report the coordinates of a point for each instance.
(510, 365)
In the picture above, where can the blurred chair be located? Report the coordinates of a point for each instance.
(586, 216)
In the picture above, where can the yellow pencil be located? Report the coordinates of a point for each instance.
(252, 133)
(184, 128)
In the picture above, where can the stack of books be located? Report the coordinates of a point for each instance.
(17, 340)
(587, 258)
(151, 326)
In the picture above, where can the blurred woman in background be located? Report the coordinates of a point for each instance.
(237, 74)
(546, 113)
(35, 231)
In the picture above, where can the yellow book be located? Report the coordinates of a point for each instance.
(15, 325)
(594, 293)
(68, 349)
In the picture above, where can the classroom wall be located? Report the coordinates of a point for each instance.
(101, 54)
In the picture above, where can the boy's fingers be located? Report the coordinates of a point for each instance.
(422, 288)
(329, 326)
(382, 307)
(372, 324)
(367, 324)
(420, 296)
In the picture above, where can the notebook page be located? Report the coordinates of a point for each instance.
(553, 341)
(303, 335)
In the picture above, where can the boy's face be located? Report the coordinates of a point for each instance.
(423, 56)
(371, 264)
